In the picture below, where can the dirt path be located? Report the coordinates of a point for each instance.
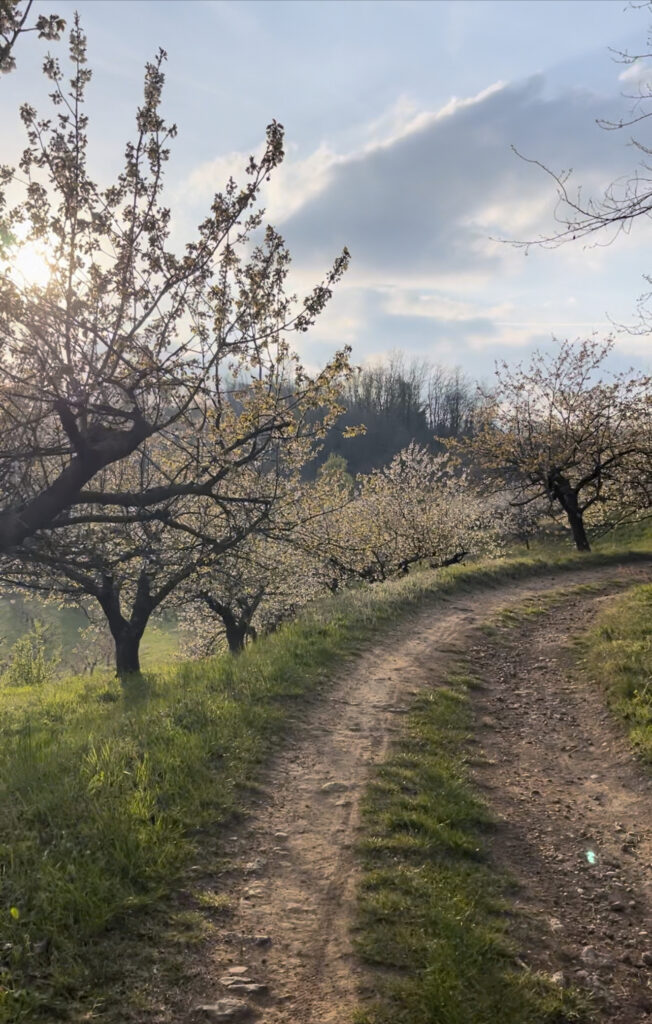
(286, 956)
(574, 811)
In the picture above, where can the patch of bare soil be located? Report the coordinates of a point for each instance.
(284, 954)
(574, 810)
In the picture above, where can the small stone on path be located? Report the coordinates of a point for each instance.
(589, 955)
(253, 866)
(224, 1010)
(235, 979)
(334, 787)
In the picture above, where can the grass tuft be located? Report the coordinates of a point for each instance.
(617, 653)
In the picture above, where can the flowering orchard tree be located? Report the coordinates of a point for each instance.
(111, 339)
(565, 431)
(422, 508)
(257, 585)
(129, 567)
(324, 535)
(268, 577)
(418, 508)
(150, 402)
(321, 536)
(522, 522)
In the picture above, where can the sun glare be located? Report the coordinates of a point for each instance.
(29, 265)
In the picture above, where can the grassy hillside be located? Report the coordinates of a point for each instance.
(109, 794)
(635, 537)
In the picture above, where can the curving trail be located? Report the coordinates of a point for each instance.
(287, 956)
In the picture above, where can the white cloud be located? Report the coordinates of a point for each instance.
(638, 73)
(422, 203)
(301, 179)
(294, 183)
(437, 306)
(428, 198)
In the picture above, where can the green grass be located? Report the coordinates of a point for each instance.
(109, 796)
(637, 536)
(549, 545)
(433, 917)
(617, 653)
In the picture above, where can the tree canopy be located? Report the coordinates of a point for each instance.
(128, 339)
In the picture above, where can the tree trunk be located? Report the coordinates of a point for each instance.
(126, 633)
(236, 633)
(576, 522)
(567, 498)
(127, 653)
(236, 626)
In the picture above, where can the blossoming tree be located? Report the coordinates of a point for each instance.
(565, 430)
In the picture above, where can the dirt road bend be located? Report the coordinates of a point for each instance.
(285, 951)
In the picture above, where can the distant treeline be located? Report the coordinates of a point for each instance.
(400, 401)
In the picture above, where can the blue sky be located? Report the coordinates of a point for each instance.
(399, 118)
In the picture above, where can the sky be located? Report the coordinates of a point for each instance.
(401, 121)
